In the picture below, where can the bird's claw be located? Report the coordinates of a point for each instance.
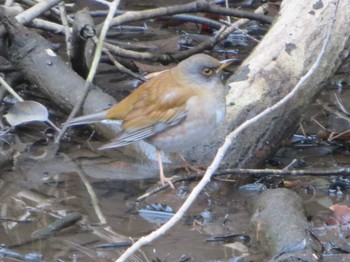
(166, 180)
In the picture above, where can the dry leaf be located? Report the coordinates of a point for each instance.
(25, 112)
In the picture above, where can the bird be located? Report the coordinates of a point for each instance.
(174, 110)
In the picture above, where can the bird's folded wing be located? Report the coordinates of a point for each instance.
(152, 115)
(129, 137)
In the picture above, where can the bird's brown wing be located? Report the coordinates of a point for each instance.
(121, 109)
(157, 110)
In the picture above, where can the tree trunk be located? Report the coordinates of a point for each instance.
(305, 33)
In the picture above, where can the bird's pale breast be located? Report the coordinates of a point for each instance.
(204, 115)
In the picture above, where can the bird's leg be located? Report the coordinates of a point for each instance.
(163, 179)
(190, 167)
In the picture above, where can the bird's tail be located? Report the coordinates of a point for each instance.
(87, 119)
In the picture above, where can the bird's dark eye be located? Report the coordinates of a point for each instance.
(207, 71)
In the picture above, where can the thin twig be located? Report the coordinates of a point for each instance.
(67, 31)
(335, 136)
(222, 34)
(46, 25)
(118, 65)
(341, 104)
(93, 69)
(91, 192)
(192, 7)
(318, 123)
(228, 17)
(281, 172)
(55, 12)
(196, 19)
(103, 2)
(31, 13)
(10, 89)
(333, 111)
(198, 6)
(345, 171)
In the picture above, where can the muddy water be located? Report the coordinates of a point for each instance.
(215, 213)
(222, 209)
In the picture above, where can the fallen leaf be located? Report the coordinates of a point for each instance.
(341, 215)
(25, 112)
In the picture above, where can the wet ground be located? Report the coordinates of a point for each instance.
(36, 192)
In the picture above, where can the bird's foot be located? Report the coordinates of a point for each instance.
(164, 180)
(190, 168)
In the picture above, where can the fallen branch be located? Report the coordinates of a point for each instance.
(222, 34)
(197, 6)
(31, 13)
(281, 226)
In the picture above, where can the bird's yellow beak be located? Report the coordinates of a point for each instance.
(225, 63)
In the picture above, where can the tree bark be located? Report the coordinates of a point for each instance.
(83, 46)
(276, 66)
(281, 226)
